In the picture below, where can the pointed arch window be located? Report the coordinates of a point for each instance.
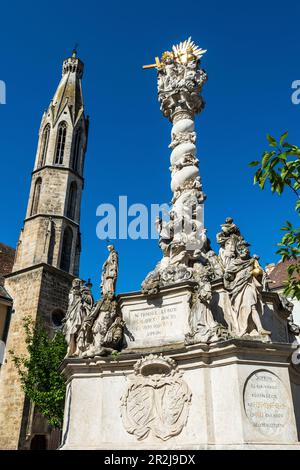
(66, 252)
(60, 143)
(57, 317)
(77, 150)
(77, 255)
(36, 196)
(38, 442)
(44, 146)
(72, 200)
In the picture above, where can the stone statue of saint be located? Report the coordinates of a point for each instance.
(103, 329)
(228, 239)
(109, 273)
(80, 305)
(95, 328)
(202, 326)
(241, 280)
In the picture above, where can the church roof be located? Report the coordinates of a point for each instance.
(69, 91)
(4, 294)
(7, 256)
(278, 274)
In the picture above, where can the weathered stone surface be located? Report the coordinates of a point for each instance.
(216, 375)
(171, 317)
(37, 285)
(36, 292)
(157, 399)
(96, 328)
(156, 321)
(182, 239)
(266, 403)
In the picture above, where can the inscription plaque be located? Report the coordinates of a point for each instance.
(161, 323)
(266, 403)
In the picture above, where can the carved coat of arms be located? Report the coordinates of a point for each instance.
(157, 399)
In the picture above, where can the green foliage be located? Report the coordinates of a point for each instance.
(38, 371)
(115, 355)
(280, 167)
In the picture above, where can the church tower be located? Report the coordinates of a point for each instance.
(48, 250)
(51, 230)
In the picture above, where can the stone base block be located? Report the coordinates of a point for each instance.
(231, 395)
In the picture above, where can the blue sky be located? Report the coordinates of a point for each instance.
(252, 59)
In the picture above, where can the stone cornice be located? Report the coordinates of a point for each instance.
(178, 286)
(59, 167)
(225, 353)
(218, 284)
(45, 267)
(53, 216)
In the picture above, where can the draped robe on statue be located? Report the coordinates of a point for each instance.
(81, 302)
(243, 289)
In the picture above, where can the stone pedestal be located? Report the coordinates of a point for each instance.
(158, 320)
(230, 395)
(163, 319)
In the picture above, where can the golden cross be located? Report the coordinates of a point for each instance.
(152, 66)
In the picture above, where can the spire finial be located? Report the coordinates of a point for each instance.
(73, 64)
(75, 50)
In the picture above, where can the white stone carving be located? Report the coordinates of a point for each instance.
(109, 273)
(266, 403)
(182, 239)
(202, 326)
(157, 399)
(180, 79)
(95, 329)
(80, 305)
(243, 282)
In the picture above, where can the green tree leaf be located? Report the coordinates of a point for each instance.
(272, 141)
(281, 168)
(254, 163)
(283, 137)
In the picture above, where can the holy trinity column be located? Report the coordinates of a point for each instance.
(183, 237)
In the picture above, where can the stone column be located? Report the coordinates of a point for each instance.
(182, 239)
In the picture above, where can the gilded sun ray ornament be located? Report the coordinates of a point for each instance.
(181, 53)
(187, 50)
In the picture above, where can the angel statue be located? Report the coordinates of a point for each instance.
(109, 273)
(80, 305)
